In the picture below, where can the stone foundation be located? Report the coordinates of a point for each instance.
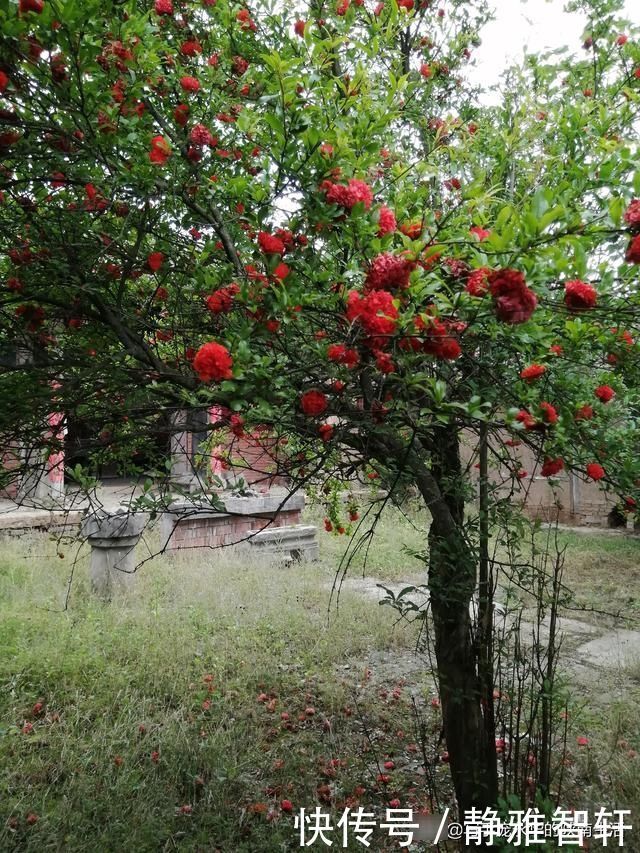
(188, 525)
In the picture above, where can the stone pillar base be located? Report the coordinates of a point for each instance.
(113, 538)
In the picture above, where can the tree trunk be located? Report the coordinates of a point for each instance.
(452, 582)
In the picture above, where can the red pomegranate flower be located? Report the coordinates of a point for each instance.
(477, 282)
(164, 7)
(181, 114)
(314, 403)
(384, 363)
(281, 272)
(160, 150)
(155, 261)
(375, 312)
(514, 301)
(299, 27)
(605, 393)
(457, 268)
(532, 372)
(413, 230)
(271, 245)
(632, 215)
(595, 471)
(32, 6)
(549, 413)
(213, 362)
(480, 233)
(341, 355)
(551, 467)
(240, 65)
(190, 84)
(386, 221)
(624, 336)
(190, 48)
(526, 418)
(201, 135)
(449, 349)
(440, 340)
(221, 300)
(584, 413)
(348, 196)
(579, 296)
(389, 272)
(325, 431)
(633, 251)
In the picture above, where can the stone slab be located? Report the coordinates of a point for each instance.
(297, 540)
(249, 506)
(614, 650)
(564, 626)
(285, 534)
(25, 519)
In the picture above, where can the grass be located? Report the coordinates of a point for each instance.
(155, 723)
(604, 572)
(151, 735)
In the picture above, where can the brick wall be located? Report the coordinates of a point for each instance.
(220, 529)
(256, 457)
(191, 527)
(10, 461)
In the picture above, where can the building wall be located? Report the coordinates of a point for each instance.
(567, 498)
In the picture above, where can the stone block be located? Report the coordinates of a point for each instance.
(297, 541)
(113, 538)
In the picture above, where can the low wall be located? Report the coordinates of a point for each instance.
(187, 525)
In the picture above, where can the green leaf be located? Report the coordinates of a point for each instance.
(616, 209)
(539, 203)
(503, 217)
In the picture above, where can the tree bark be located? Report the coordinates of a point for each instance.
(452, 582)
(453, 565)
